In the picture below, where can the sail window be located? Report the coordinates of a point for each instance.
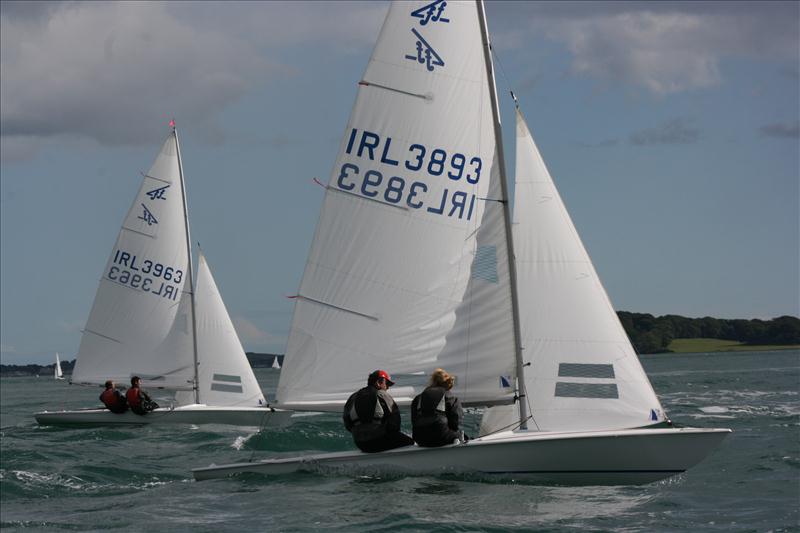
(221, 387)
(566, 389)
(583, 370)
(484, 266)
(228, 378)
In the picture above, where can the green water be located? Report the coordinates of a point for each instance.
(107, 479)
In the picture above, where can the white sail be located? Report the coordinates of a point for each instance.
(225, 377)
(275, 364)
(407, 268)
(583, 374)
(141, 287)
(58, 373)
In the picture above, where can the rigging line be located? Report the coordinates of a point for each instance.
(528, 400)
(262, 426)
(512, 426)
(503, 72)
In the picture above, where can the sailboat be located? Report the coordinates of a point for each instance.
(57, 371)
(276, 364)
(413, 267)
(148, 321)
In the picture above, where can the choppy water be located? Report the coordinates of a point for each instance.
(105, 479)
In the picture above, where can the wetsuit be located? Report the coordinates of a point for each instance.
(436, 416)
(114, 401)
(373, 418)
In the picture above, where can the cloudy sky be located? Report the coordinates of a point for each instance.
(671, 130)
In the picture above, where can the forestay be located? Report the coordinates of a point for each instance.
(583, 374)
(141, 288)
(225, 377)
(408, 267)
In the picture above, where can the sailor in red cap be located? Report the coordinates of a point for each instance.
(373, 417)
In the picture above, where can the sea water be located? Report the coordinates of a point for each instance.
(139, 478)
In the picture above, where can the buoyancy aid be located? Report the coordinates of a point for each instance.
(429, 407)
(435, 417)
(134, 400)
(114, 401)
(366, 414)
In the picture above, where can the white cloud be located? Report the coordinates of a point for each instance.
(655, 51)
(117, 71)
(664, 47)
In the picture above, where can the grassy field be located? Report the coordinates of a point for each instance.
(719, 345)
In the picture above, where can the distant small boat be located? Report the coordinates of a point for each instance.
(58, 373)
(275, 363)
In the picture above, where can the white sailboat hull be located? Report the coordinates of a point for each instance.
(623, 457)
(186, 414)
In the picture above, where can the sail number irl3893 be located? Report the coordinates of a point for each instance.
(459, 171)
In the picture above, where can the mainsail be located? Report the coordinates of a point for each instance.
(584, 374)
(408, 267)
(141, 288)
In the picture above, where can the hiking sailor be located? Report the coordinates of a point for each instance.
(113, 398)
(138, 400)
(372, 416)
(436, 413)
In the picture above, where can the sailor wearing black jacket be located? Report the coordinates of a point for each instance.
(436, 414)
(373, 418)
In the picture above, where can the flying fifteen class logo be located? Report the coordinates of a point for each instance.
(158, 194)
(431, 12)
(147, 216)
(425, 53)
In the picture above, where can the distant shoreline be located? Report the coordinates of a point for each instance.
(257, 360)
(264, 360)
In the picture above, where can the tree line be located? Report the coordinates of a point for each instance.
(651, 334)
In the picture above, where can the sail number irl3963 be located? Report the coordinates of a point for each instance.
(145, 275)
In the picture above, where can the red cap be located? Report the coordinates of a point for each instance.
(380, 374)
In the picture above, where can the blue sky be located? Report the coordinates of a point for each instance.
(671, 130)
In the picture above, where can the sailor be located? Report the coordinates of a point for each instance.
(436, 413)
(113, 399)
(372, 416)
(138, 400)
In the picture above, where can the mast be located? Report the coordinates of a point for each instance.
(512, 268)
(190, 280)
